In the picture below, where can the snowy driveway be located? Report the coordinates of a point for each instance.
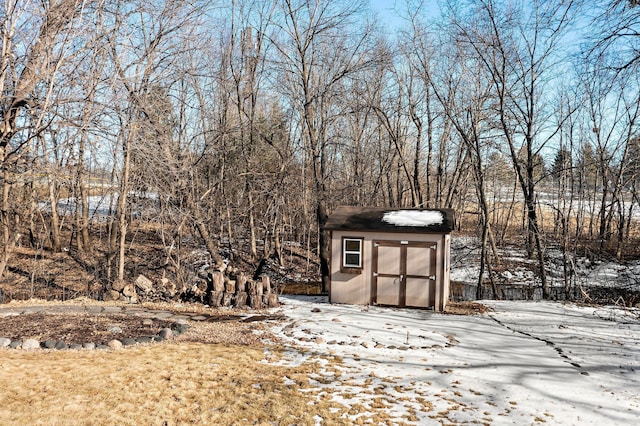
(524, 363)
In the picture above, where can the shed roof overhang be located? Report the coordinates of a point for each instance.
(421, 221)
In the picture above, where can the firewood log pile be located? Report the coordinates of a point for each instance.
(215, 288)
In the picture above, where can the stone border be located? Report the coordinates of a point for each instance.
(33, 344)
(179, 319)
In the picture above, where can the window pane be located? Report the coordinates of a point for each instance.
(352, 259)
(352, 245)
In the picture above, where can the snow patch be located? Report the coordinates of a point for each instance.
(413, 218)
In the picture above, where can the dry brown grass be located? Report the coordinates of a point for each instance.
(186, 383)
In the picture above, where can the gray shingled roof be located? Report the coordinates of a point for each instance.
(347, 218)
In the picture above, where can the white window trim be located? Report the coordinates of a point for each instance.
(345, 252)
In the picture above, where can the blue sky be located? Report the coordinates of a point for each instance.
(389, 10)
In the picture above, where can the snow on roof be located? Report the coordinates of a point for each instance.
(413, 218)
(391, 220)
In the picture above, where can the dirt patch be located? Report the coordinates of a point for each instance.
(79, 328)
(466, 308)
(216, 326)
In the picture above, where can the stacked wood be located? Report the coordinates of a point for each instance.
(218, 289)
(237, 289)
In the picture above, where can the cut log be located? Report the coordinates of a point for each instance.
(230, 286)
(251, 287)
(215, 299)
(144, 283)
(118, 285)
(266, 284)
(255, 301)
(167, 287)
(110, 296)
(226, 299)
(129, 290)
(241, 283)
(271, 300)
(241, 299)
(217, 278)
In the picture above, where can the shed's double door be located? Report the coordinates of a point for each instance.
(404, 273)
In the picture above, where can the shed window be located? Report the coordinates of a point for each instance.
(352, 252)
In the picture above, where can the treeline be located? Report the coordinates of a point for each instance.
(250, 120)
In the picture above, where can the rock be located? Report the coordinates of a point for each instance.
(180, 328)
(118, 285)
(147, 321)
(114, 344)
(318, 340)
(60, 345)
(15, 344)
(336, 320)
(102, 346)
(127, 341)
(144, 283)
(166, 333)
(316, 310)
(115, 329)
(200, 318)
(129, 290)
(110, 296)
(49, 344)
(89, 346)
(29, 344)
(144, 339)
(75, 346)
(4, 342)
(367, 345)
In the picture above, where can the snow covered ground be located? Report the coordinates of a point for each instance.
(523, 363)
(465, 268)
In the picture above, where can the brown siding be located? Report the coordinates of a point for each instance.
(356, 288)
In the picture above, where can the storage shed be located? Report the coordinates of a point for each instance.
(395, 257)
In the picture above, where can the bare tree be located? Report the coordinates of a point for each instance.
(27, 81)
(321, 44)
(517, 52)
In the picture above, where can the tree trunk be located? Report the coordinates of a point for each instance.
(56, 245)
(84, 198)
(324, 246)
(122, 207)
